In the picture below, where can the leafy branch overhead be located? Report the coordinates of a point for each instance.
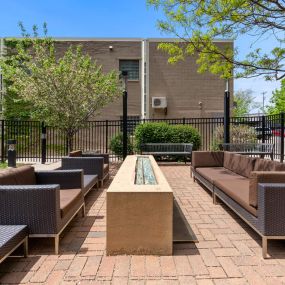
(64, 91)
(199, 23)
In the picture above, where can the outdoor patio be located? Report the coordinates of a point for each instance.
(228, 251)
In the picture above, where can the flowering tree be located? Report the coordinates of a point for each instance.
(63, 91)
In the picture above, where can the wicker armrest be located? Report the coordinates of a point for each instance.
(37, 206)
(257, 177)
(104, 155)
(67, 179)
(90, 165)
(207, 159)
(271, 210)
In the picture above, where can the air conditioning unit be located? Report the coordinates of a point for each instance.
(159, 102)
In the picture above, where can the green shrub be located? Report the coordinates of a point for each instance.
(238, 134)
(116, 145)
(165, 133)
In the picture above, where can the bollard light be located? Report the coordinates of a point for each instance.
(11, 153)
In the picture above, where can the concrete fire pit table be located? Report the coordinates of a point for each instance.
(139, 209)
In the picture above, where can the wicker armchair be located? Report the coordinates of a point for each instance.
(99, 166)
(45, 201)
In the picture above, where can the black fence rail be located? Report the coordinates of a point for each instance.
(35, 142)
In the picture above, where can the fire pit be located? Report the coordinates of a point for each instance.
(139, 209)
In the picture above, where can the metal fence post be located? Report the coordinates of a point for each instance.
(282, 138)
(2, 140)
(125, 115)
(106, 137)
(227, 117)
(44, 142)
(263, 129)
(183, 121)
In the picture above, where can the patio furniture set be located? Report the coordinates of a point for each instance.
(42, 203)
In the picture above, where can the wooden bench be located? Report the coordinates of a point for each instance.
(168, 149)
(260, 149)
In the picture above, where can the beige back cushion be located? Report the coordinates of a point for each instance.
(24, 175)
(207, 158)
(75, 153)
(7, 177)
(239, 164)
(264, 165)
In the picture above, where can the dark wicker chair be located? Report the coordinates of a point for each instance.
(45, 201)
(100, 167)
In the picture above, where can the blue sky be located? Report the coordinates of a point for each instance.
(102, 18)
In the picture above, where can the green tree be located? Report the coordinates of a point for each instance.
(198, 23)
(244, 103)
(277, 101)
(63, 91)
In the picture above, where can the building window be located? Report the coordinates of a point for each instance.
(132, 66)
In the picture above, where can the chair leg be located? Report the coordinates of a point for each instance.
(264, 247)
(83, 211)
(56, 244)
(26, 247)
(215, 199)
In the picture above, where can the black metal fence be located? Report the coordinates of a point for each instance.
(35, 142)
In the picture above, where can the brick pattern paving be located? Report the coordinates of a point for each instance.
(228, 251)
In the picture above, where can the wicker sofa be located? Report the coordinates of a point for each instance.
(102, 165)
(45, 201)
(254, 188)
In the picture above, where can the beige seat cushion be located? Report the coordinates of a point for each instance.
(68, 199)
(213, 173)
(238, 190)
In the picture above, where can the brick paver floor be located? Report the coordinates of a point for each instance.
(228, 251)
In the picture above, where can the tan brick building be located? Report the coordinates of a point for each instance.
(181, 91)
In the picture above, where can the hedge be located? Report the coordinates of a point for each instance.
(165, 133)
(116, 145)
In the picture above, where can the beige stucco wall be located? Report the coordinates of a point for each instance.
(183, 87)
(109, 59)
(180, 83)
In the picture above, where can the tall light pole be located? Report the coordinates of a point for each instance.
(263, 102)
(227, 113)
(125, 113)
